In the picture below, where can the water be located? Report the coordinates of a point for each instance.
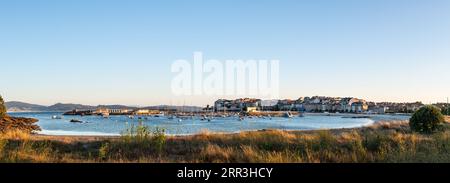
(115, 125)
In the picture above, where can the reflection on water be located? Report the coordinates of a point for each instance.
(114, 125)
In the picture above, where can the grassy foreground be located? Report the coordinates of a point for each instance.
(383, 142)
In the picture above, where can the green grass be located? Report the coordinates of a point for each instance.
(384, 142)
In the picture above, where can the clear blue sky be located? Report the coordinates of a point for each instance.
(120, 52)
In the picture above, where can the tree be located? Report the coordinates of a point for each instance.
(2, 108)
(446, 110)
(427, 119)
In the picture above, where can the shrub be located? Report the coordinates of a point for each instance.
(159, 139)
(145, 137)
(446, 110)
(103, 151)
(326, 141)
(137, 133)
(2, 108)
(428, 119)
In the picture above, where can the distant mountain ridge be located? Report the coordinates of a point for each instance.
(69, 107)
(15, 106)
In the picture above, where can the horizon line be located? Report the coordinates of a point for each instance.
(164, 104)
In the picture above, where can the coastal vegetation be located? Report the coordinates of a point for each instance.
(8, 123)
(2, 107)
(427, 119)
(400, 141)
(446, 110)
(382, 142)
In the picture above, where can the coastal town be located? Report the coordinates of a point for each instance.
(317, 104)
(249, 106)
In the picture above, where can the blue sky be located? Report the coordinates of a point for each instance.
(120, 52)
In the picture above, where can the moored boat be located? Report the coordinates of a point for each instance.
(288, 115)
(76, 121)
(56, 117)
(105, 115)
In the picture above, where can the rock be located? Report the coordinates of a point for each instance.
(14, 123)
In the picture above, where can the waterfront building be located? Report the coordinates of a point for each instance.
(238, 105)
(120, 111)
(316, 104)
(251, 109)
(359, 107)
(286, 105)
(146, 112)
(104, 110)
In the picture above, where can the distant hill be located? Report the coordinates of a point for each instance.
(116, 107)
(15, 106)
(69, 107)
(178, 108)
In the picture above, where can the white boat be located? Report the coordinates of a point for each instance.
(288, 115)
(56, 117)
(105, 115)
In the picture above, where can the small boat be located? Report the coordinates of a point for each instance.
(56, 117)
(288, 115)
(131, 117)
(75, 121)
(105, 115)
(183, 117)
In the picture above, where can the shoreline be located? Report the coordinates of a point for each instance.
(374, 118)
(112, 137)
(115, 136)
(377, 143)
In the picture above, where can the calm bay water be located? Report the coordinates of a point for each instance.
(115, 125)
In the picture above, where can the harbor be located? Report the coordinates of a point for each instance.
(190, 123)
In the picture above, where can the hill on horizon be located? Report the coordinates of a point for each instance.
(16, 106)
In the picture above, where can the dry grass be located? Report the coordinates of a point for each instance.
(382, 142)
(15, 135)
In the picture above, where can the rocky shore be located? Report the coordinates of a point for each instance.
(15, 123)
